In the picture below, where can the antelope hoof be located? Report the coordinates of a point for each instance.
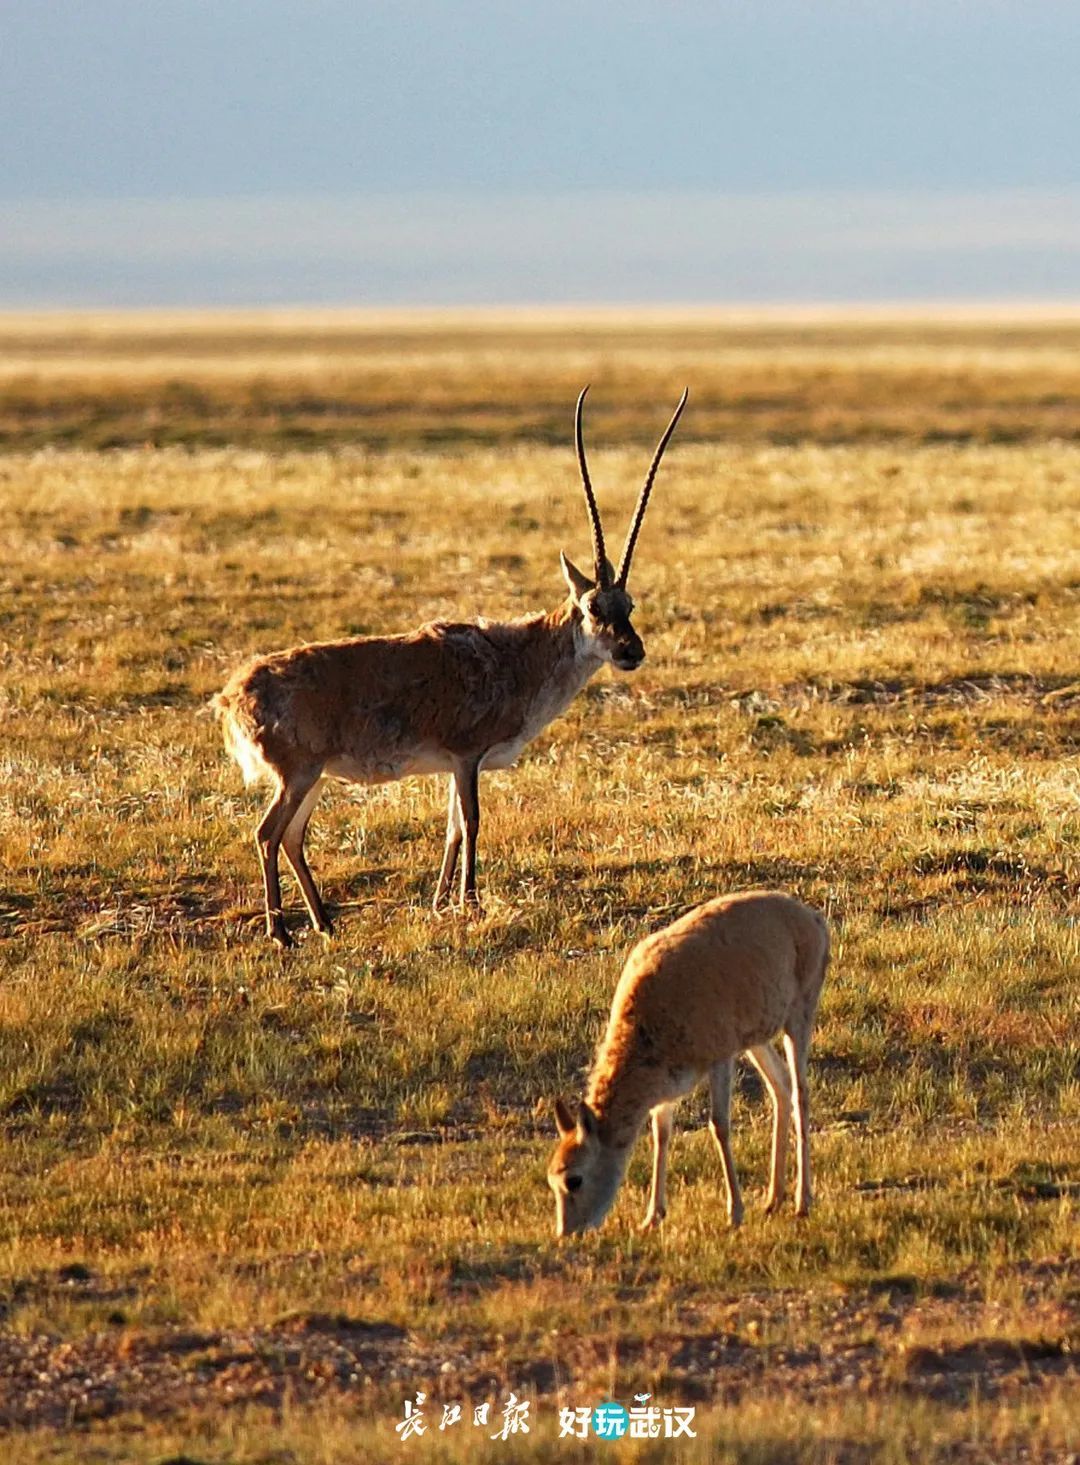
(653, 1220)
(735, 1219)
(278, 934)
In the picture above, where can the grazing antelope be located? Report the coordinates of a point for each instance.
(723, 980)
(447, 698)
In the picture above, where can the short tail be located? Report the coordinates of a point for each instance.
(239, 744)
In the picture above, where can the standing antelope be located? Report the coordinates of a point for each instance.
(446, 698)
(723, 980)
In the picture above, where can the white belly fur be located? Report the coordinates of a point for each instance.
(544, 710)
(422, 760)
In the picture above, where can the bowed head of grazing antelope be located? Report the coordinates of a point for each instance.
(452, 698)
(726, 979)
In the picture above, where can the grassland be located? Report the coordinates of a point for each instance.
(251, 1202)
(393, 380)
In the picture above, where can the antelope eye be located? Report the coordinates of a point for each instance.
(573, 1182)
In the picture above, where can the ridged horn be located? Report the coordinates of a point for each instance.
(600, 561)
(643, 498)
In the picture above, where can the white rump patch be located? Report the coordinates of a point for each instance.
(253, 766)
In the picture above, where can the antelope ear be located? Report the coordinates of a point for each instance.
(586, 1118)
(578, 584)
(563, 1118)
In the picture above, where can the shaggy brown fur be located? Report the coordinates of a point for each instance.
(390, 704)
(448, 698)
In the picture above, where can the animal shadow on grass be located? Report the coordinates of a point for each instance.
(191, 910)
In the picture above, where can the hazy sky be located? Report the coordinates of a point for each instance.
(289, 150)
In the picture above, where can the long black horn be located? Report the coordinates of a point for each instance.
(600, 562)
(643, 499)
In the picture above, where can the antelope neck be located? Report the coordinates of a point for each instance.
(621, 1097)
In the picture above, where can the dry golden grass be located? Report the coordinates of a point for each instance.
(251, 1202)
(404, 379)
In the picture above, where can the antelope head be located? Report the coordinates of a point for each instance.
(584, 1174)
(604, 602)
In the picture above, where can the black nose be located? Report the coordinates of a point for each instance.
(629, 660)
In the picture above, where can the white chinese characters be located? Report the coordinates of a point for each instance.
(608, 1420)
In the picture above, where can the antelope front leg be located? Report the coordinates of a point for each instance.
(661, 1134)
(453, 845)
(720, 1076)
(468, 786)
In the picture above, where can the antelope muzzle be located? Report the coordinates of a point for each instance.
(629, 653)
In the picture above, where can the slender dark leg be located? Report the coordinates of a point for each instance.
(468, 786)
(453, 844)
(292, 843)
(268, 837)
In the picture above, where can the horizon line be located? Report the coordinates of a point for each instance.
(355, 315)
